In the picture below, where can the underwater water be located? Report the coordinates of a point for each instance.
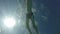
(18, 10)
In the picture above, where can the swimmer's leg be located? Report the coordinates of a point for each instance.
(27, 25)
(34, 26)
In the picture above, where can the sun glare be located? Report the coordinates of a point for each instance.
(9, 22)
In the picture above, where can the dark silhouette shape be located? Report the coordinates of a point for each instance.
(30, 15)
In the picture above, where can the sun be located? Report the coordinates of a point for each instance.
(9, 21)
